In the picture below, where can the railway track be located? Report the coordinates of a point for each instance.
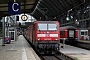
(50, 58)
(59, 56)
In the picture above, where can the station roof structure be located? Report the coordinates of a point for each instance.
(27, 6)
(41, 8)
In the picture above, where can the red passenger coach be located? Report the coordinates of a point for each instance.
(69, 34)
(45, 35)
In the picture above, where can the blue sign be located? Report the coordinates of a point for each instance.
(14, 8)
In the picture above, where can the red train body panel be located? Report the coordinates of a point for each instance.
(44, 35)
(69, 33)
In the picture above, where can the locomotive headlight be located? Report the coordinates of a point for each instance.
(56, 39)
(38, 38)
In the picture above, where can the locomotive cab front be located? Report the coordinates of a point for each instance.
(48, 36)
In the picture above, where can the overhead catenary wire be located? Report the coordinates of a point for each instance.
(72, 8)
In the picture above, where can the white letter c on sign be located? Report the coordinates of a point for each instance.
(14, 5)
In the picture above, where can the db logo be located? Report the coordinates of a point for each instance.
(47, 35)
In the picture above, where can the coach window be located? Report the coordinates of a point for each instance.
(34, 27)
(82, 33)
(61, 32)
(86, 33)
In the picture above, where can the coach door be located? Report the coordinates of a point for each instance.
(71, 34)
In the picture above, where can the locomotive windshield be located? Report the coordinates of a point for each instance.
(47, 26)
(52, 26)
(42, 26)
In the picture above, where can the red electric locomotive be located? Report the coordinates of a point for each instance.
(69, 34)
(44, 35)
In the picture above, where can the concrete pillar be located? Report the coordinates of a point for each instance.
(3, 31)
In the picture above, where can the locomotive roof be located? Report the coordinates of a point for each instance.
(68, 27)
(83, 29)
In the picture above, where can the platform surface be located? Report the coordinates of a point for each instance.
(17, 50)
(75, 52)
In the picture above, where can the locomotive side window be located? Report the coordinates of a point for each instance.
(52, 26)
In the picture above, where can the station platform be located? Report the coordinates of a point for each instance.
(17, 50)
(75, 52)
(84, 41)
